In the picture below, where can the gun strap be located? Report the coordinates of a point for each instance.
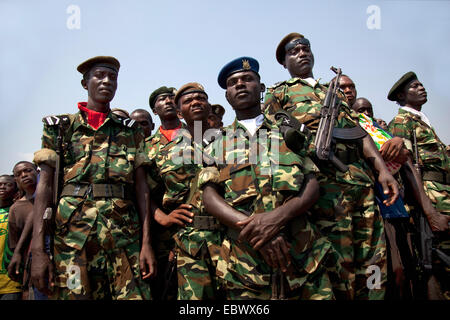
(441, 177)
(354, 133)
(98, 190)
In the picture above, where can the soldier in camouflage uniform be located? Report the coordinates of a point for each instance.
(102, 247)
(261, 191)
(161, 101)
(346, 211)
(177, 163)
(411, 124)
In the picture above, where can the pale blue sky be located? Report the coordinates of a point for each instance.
(174, 42)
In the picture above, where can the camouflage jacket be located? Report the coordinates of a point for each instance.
(177, 163)
(304, 102)
(108, 155)
(431, 150)
(258, 174)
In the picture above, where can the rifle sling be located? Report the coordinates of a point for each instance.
(354, 133)
(441, 177)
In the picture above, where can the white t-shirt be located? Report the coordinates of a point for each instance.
(422, 115)
(311, 81)
(252, 124)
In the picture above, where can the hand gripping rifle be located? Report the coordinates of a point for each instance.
(328, 115)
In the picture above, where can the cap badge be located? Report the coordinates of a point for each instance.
(245, 64)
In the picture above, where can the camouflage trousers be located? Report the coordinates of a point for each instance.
(197, 255)
(244, 275)
(439, 195)
(96, 273)
(349, 217)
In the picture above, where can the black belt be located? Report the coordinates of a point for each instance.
(98, 190)
(440, 177)
(205, 223)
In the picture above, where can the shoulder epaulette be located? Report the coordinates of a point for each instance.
(277, 84)
(56, 120)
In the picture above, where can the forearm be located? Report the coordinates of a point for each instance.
(416, 185)
(298, 205)
(143, 204)
(216, 206)
(372, 155)
(26, 235)
(43, 200)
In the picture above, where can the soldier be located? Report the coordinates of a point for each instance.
(144, 119)
(21, 221)
(346, 212)
(270, 249)
(9, 289)
(161, 102)
(197, 239)
(348, 87)
(216, 116)
(429, 154)
(102, 247)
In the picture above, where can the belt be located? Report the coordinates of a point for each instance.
(98, 190)
(205, 223)
(440, 177)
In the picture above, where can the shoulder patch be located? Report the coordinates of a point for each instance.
(56, 120)
(127, 122)
(208, 139)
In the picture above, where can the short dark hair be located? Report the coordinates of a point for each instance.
(27, 162)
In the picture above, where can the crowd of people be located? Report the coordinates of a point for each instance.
(199, 211)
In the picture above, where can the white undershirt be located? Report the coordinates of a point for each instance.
(422, 115)
(311, 81)
(253, 124)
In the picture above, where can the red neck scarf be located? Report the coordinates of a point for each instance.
(169, 133)
(94, 118)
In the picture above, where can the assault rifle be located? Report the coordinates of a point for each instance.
(328, 115)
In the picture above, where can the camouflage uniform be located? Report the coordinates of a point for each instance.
(261, 185)
(435, 168)
(346, 211)
(196, 244)
(97, 238)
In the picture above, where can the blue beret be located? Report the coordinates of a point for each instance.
(237, 65)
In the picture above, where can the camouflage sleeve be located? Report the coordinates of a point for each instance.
(47, 153)
(402, 127)
(142, 158)
(273, 102)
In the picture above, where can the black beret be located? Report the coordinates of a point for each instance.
(404, 80)
(218, 110)
(101, 61)
(281, 49)
(189, 87)
(157, 92)
(237, 65)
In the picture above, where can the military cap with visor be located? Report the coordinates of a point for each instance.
(190, 87)
(289, 42)
(160, 91)
(400, 84)
(237, 65)
(218, 110)
(99, 61)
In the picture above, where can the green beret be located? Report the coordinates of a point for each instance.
(190, 87)
(280, 53)
(218, 110)
(100, 61)
(159, 91)
(399, 85)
